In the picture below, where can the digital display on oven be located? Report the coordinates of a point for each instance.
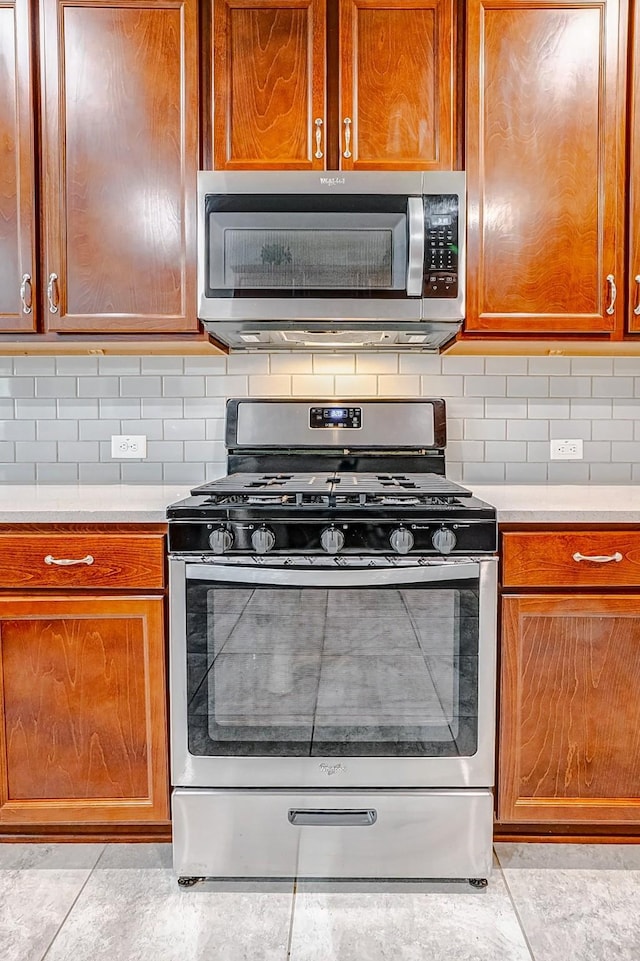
(333, 417)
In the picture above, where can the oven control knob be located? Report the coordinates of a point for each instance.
(401, 540)
(444, 540)
(221, 540)
(332, 540)
(263, 540)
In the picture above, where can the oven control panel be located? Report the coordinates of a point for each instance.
(441, 246)
(332, 417)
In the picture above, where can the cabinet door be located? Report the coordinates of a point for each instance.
(120, 144)
(634, 178)
(396, 85)
(83, 736)
(545, 146)
(569, 742)
(17, 171)
(269, 84)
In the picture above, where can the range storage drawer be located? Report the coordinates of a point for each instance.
(82, 560)
(571, 559)
(332, 834)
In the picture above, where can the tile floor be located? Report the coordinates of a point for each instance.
(121, 902)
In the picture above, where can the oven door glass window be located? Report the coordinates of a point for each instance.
(319, 672)
(301, 246)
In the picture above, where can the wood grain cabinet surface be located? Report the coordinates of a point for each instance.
(83, 719)
(18, 255)
(569, 711)
(116, 170)
(545, 102)
(286, 96)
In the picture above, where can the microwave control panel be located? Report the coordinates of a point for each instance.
(441, 245)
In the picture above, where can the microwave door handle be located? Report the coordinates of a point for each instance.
(341, 577)
(415, 260)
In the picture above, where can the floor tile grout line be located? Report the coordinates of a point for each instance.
(292, 916)
(515, 909)
(72, 905)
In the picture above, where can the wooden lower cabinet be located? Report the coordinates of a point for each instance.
(569, 739)
(83, 738)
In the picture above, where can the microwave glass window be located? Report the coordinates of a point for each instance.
(296, 252)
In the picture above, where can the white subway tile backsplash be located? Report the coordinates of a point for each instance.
(505, 450)
(610, 473)
(484, 429)
(92, 387)
(612, 386)
(439, 385)
(57, 415)
(527, 386)
(270, 385)
(377, 363)
(146, 386)
(419, 364)
(313, 385)
(399, 385)
(18, 387)
(592, 366)
(485, 386)
(334, 363)
(505, 365)
(248, 364)
(291, 363)
(573, 428)
(19, 429)
(526, 473)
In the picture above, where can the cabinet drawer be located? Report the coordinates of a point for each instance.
(97, 560)
(571, 558)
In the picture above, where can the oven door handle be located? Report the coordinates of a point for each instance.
(415, 260)
(333, 817)
(341, 577)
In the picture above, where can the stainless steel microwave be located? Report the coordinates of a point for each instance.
(328, 260)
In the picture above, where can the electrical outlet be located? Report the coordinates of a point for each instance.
(566, 449)
(128, 445)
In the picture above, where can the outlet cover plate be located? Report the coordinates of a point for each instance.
(566, 449)
(128, 445)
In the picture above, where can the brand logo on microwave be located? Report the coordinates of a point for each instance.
(332, 181)
(331, 769)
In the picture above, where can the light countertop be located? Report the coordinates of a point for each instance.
(140, 504)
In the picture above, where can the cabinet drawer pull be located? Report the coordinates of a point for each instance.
(347, 137)
(598, 558)
(67, 562)
(613, 293)
(26, 294)
(318, 154)
(636, 309)
(52, 293)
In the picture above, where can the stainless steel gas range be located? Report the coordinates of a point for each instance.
(333, 646)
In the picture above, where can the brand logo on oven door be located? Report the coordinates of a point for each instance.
(331, 769)
(332, 181)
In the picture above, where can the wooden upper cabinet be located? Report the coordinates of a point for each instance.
(545, 149)
(569, 743)
(269, 84)
(396, 84)
(17, 171)
(120, 146)
(633, 272)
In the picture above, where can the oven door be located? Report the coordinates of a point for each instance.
(347, 676)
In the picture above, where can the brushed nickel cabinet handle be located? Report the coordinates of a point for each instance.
(318, 154)
(598, 558)
(613, 293)
(67, 562)
(347, 137)
(636, 309)
(52, 293)
(26, 294)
